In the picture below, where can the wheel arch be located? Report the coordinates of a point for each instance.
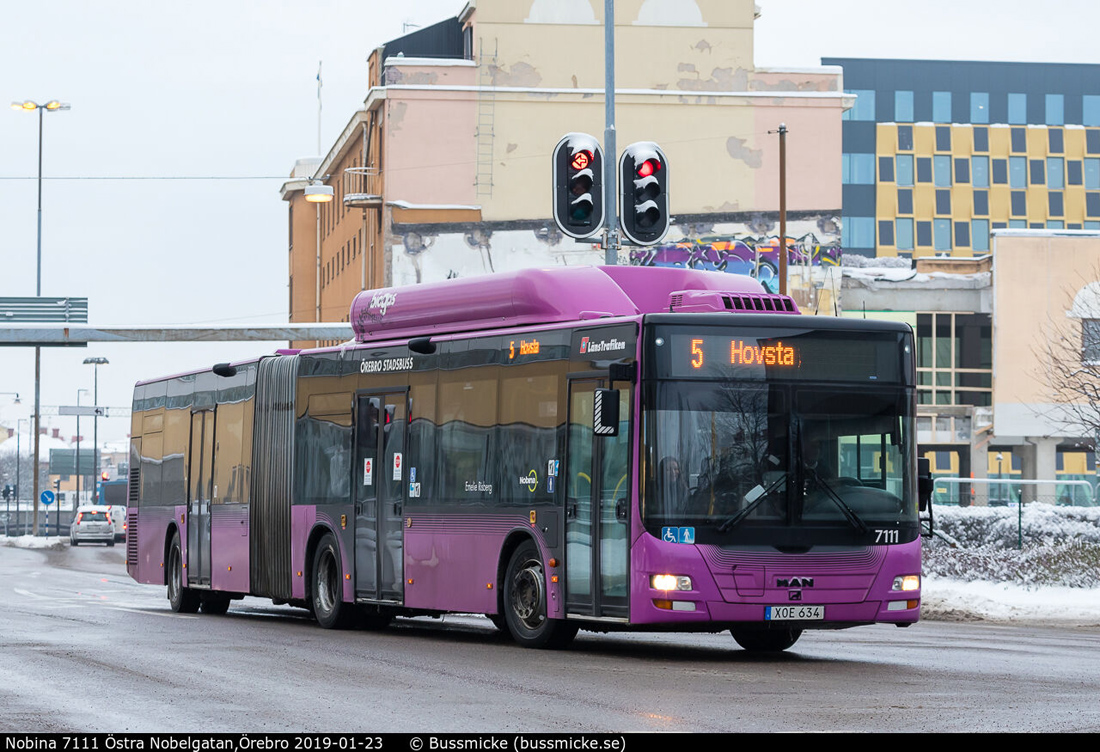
(512, 541)
(169, 534)
(318, 532)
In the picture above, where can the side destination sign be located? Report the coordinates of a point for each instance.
(385, 365)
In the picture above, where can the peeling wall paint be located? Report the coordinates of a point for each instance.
(754, 158)
(520, 74)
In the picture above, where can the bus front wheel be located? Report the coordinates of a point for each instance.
(525, 603)
(181, 598)
(766, 640)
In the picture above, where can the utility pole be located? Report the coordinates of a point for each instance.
(782, 208)
(611, 242)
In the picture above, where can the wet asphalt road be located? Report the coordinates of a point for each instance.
(87, 649)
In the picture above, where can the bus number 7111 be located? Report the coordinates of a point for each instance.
(886, 536)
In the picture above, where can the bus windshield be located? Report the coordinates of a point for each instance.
(780, 462)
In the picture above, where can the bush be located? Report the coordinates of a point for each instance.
(1061, 545)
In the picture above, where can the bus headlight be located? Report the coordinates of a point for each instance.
(907, 582)
(669, 582)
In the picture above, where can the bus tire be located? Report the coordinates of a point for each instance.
(181, 598)
(525, 603)
(214, 603)
(327, 595)
(766, 640)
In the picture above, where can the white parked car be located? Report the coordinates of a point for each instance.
(93, 524)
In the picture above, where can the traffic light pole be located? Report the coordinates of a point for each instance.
(611, 243)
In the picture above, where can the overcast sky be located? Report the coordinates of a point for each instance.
(227, 89)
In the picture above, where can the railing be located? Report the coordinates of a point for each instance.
(1009, 492)
(362, 187)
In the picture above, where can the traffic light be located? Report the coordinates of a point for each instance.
(578, 185)
(643, 193)
(7, 492)
(57, 485)
(105, 475)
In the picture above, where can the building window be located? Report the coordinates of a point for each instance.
(1092, 141)
(942, 167)
(1056, 140)
(905, 200)
(857, 169)
(962, 234)
(979, 166)
(885, 170)
(885, 232)
(1017, 109)
(1074, 175)
(954, 359)
(1019, 203)
(943, 138)
(924, 169)
(903, 106)
(941, 107)
(905, 169)
(962, 170)
(943, 202)
(905, 138)
(979, 229)
(1056, 173)
(981, 203)
(1092, 207)
(858, 232)
(1000, 171)
(941, 234)
(1092, 174)
(979, 107)
(1090, 341)
(1090, 109)
(1038, 172)
(1056, 109)
(864, 108)
(981, 139)
(1019, 140)
(1017, 172)
(905, 234)
(924, 234)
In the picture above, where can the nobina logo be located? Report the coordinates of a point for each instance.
(531, 480)
(382, 301)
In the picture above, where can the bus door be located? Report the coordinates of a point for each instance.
(200, 475)
(597, 511)
(380, 479)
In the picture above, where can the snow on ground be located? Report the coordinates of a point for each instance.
(944, 599)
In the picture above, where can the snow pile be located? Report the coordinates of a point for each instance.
(875, 262)
(34, 541)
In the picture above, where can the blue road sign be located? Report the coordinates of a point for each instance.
(46, 497)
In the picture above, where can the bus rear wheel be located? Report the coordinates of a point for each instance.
(525, 603)
(327, 596)
(181, 598)
(766, 640)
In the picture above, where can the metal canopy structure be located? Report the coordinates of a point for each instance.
(79, 335)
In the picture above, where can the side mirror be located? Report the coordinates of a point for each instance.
(924, 482)
(605, 412)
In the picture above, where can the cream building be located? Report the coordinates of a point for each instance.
(446, 169)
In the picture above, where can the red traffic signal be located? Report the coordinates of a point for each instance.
(578, 185)
(643, 193)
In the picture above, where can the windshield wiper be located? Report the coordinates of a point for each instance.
(834, 497)
(761, 496)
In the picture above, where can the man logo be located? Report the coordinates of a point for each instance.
(795, 582)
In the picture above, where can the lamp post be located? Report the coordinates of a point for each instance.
(29, 106)
(8, 500)
(318, 193)
(97, 362)
(78, 393)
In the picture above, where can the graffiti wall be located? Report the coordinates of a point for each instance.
(755, 257)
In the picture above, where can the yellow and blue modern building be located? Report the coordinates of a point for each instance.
(936, 154)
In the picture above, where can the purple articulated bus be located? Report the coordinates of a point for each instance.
(599, 448)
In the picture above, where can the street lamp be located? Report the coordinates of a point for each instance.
(318, 193)
(97, 362)
(29, 106)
